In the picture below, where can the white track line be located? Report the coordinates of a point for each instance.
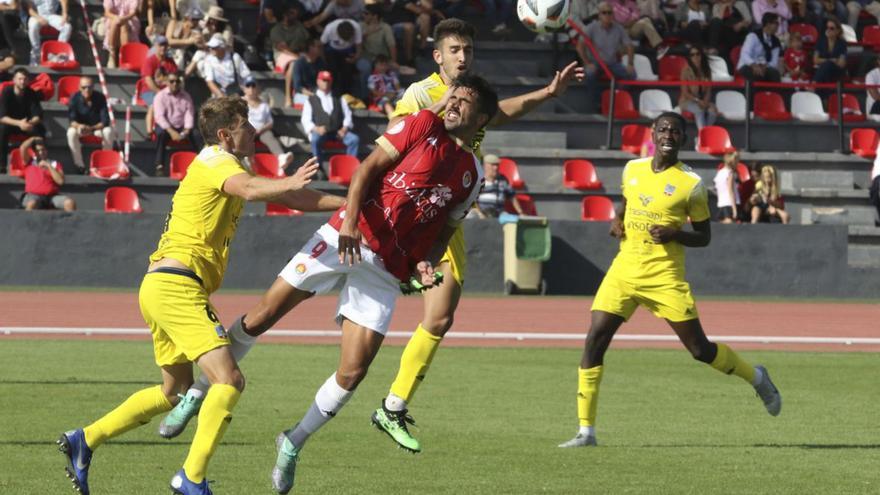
(518, 336)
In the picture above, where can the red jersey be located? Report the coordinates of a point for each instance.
(152, 64)
(796, 60)
(434, 183)
(38, 180)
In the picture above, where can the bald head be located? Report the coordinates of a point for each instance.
(85, 86)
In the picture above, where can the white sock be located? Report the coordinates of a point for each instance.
(394, 403)
(587, 431)
(759, 376)
(239, 344)
(328, 401)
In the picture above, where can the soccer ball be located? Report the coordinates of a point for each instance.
(542, 16)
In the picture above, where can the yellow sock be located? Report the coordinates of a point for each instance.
(728, 361)
(588, 394)
(137, 410)
(214, 418)
(414, 363)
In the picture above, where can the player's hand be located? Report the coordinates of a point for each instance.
(661, 234)
(349, 243)
(425, 273)
(617, 230)
(303, 175)
(560, 82)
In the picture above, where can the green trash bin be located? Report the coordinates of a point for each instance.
(526, 248)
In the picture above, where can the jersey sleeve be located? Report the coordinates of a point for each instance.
(414, 99)
(219, 169)
(403, 135)
(698, 203)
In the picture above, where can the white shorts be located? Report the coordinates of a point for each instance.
(369, 291)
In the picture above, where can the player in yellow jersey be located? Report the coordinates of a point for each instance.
(660, 193)
(185, 269)
(453, 53)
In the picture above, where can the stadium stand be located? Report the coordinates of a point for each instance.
(180, 161)
(341, 169)
(120, 199)
(597, 209)
(580, 175)
(508, 168)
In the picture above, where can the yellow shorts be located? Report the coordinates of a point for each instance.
(182, 321)
(456, 255)
(668, 300)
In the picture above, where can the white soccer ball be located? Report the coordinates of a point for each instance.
(542, 16)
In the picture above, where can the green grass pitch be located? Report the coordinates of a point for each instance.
(490, 420)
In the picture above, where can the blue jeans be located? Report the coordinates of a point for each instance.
(350, 140)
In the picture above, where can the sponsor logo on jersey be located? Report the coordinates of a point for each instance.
(300, 268)
(645, 199)
(669, 190)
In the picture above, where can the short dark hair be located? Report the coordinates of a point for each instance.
(374, 9)
(227, 112)
(381, 59)
(453, 27)
(487, 98)
(345, 30)
(769, 18)
(21, 70)
(674, 116)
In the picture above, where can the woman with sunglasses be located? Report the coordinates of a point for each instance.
(697, 99)
(830, 55)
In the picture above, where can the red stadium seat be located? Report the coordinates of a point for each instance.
(275, 209)
(139, 87)
(863, 142)
(266, 165)
(180, 161)
(871, 37)
(851, 110)
(714, 140)
(342, 167)
(670, 67)
(769, 106)
(108, 164)
(632, 137)
(4, 84)
(580, 174)
(597, 209)
(132, 56)
(624, 108)
(61, 50)
(508, 168)
(67, 87)
(527, 204)
(121, 200)
(16, 164)
(809, 33)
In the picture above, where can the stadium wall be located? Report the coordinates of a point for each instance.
(94, 249)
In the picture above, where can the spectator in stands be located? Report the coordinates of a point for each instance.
(328, 118)
(872, 98)
(185, 36)
(800, 14)
(43, 179)
(7, 61)
(335, 10)
(225, 71)
(215, 23)
(628, 15)
(378, 39)
(697, 99)
(121, 25)
(727, 190)
(424, 13)
(303, 75)
(874, 190)
(88, 116)
(855, 8)
(795, 59)
(45, 13)
(767, 202)
(761, 52)
(829, 57)
(159, 14)
(342, 41)
(829, 9)
(496, 192)
(9, 19)
(729, 25)
(260, 117)
(20, 113)
(384, 86)
(403, 24)
(778, 7)
(497, 14)
(585, 11)
(286, 35)
(175, 120)
(610, 40)
(692, 22)
(160, 59)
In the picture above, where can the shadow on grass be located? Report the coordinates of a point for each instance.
(77, 382)
(806, 446)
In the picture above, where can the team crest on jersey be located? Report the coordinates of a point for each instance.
(221, 332)
(669, 190)
(397, 128)
(466, 179)
(645, 199)
(301, 268)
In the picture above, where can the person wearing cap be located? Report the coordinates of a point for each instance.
(225, 71)
(328, 118)
(496, 193)
(121, 24)
(175, 120)
(161, 58)
(214, 23)
(88, 115)
(184, 33)
(260, 117)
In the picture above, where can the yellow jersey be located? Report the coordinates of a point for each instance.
(422, 94)
(667, 198)
(203, 218)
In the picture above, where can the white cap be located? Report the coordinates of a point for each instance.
(216, 41)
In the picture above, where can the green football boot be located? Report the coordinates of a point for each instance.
(175, 421)
(393, 423)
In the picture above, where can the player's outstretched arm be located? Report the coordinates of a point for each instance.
(699, 237)
(370, 170)
(255, 188)
(311, 200)
(513, 108)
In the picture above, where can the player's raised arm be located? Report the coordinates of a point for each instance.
(255, 188)
(306, 199)
(513, 108)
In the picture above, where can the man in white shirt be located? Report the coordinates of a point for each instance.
(872, 99)
(225, 71)
(760, 55)
(327, 118)
(342, 41)
(45, 13)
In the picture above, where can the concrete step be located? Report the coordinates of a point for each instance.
(502, 139)
(817, 180)
(838, 215)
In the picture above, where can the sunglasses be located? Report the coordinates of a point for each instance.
(173, 81)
